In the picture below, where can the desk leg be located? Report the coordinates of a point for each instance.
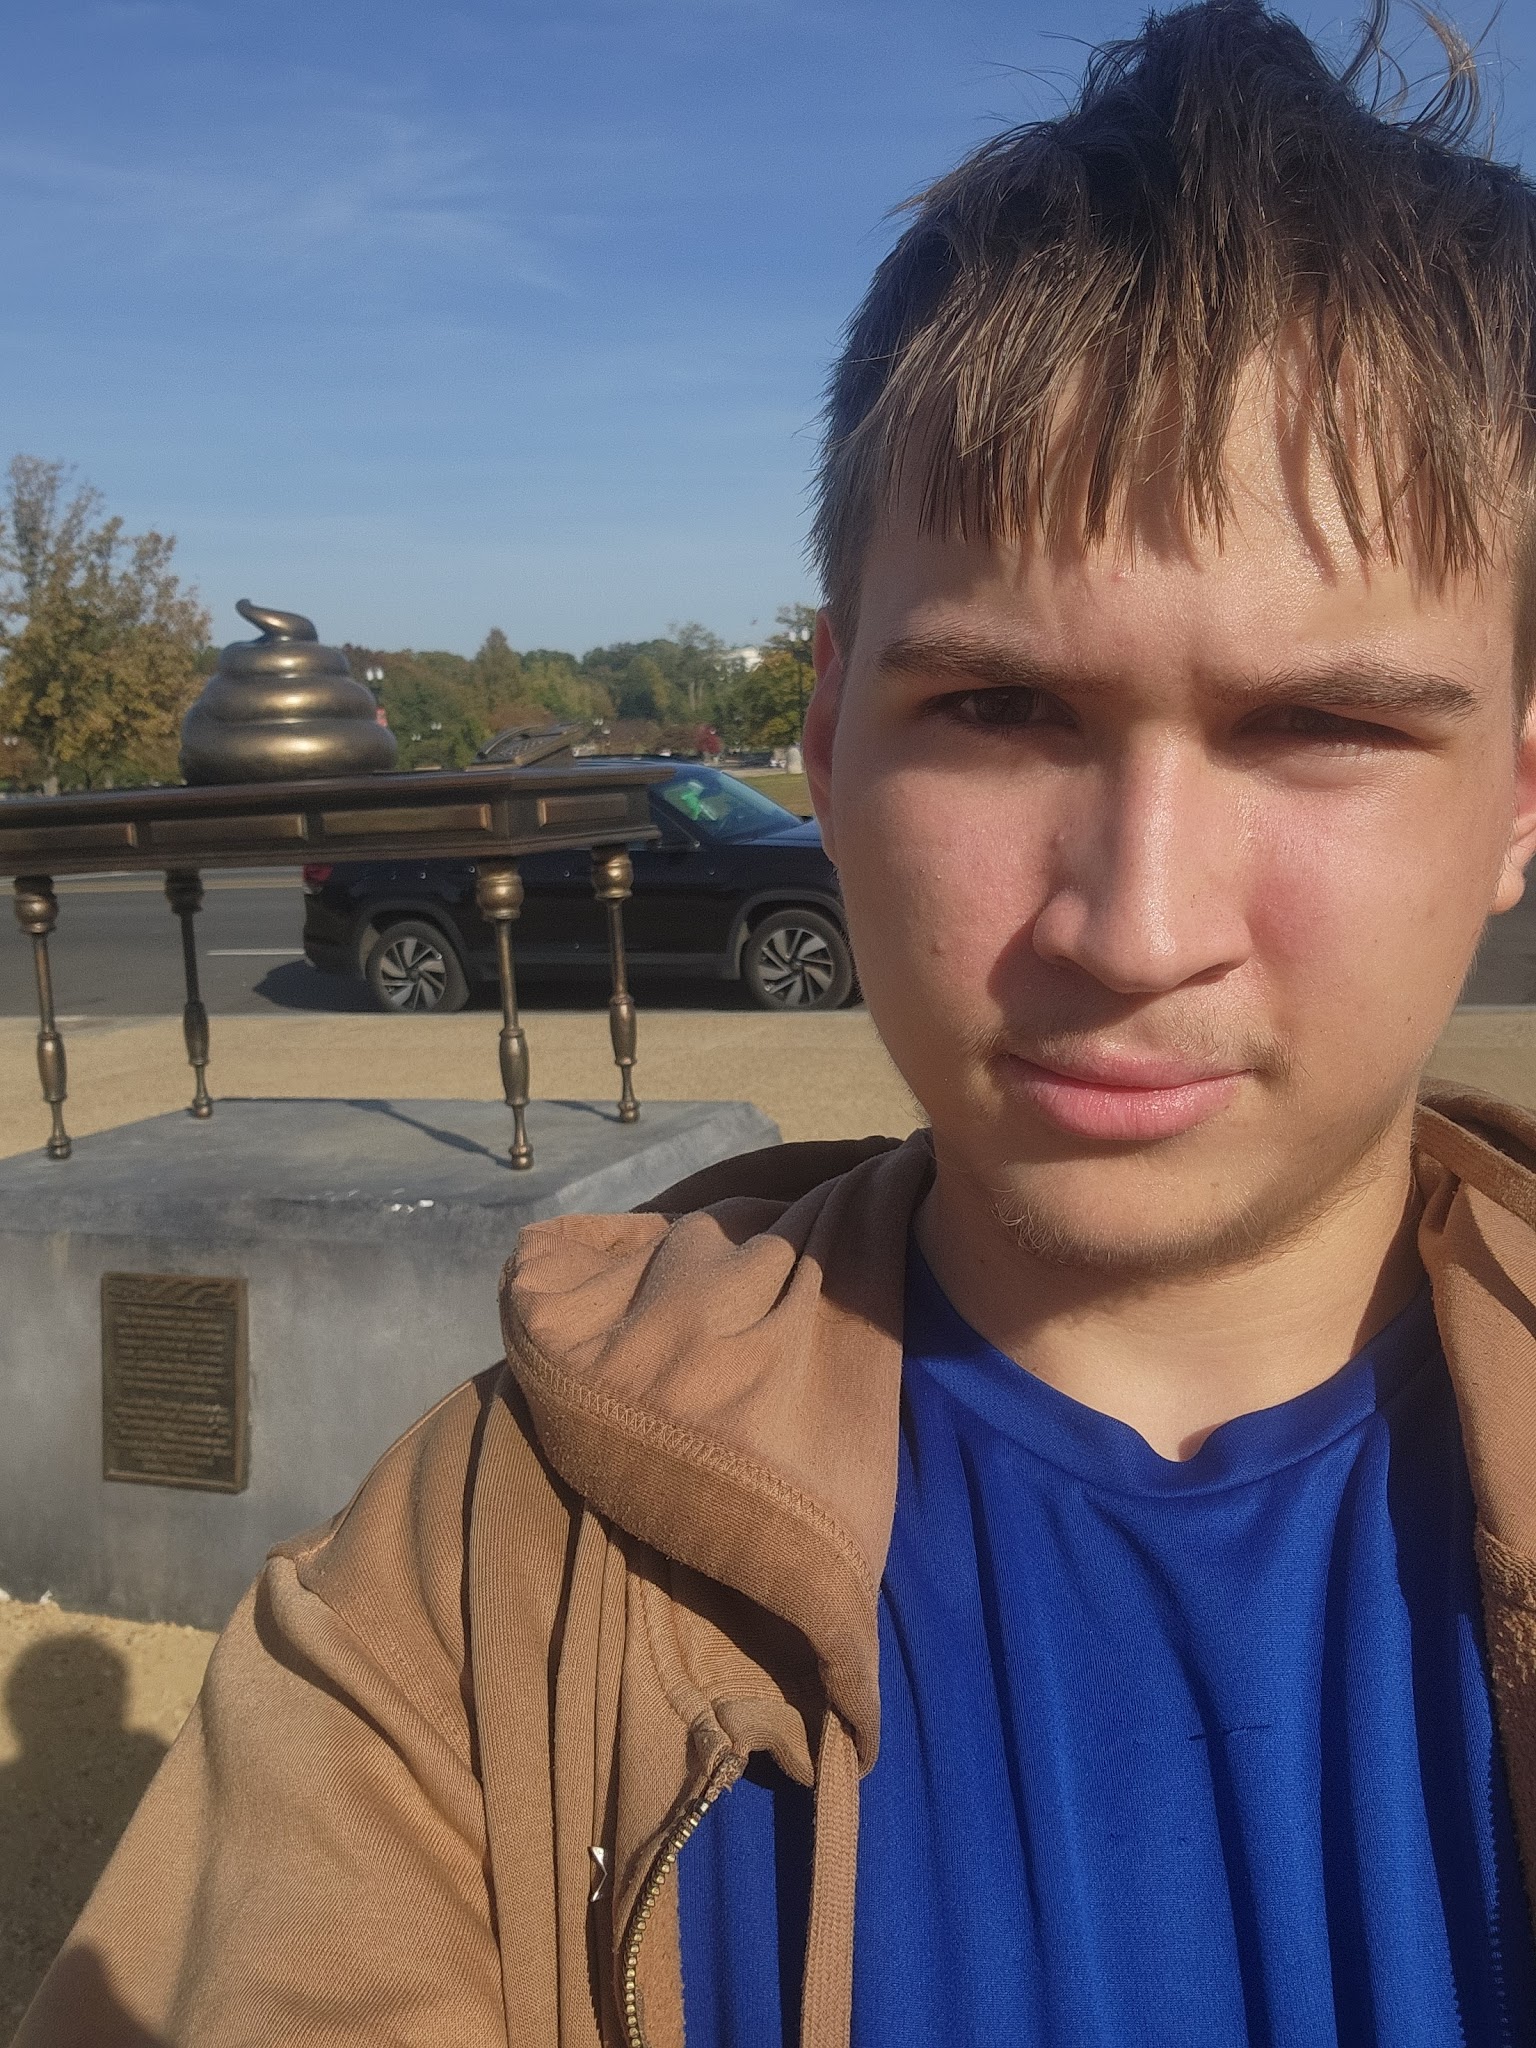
(184, 893)
(499, 896)
(37, 912)
(612, 879)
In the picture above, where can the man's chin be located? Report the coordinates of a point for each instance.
(1163, 1211)
(1140, 1241)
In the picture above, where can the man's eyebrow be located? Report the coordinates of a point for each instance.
(1358, 685)
(968, 663)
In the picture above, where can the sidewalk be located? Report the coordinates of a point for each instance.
(1494, 1050)
(817, 1076)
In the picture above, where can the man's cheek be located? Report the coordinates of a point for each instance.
(1359, 945)
(936, 902)
(1358, 938)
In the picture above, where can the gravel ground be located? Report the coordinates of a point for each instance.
(1491, 1049)
(90, 1704)
(817, 1076)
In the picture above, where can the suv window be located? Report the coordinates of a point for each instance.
(727, 809)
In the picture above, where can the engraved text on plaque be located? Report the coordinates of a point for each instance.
(173, 1380)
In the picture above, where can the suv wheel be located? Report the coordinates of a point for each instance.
(798, 960)
(413, 967)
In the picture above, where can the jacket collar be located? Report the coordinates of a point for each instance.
(720, 1376)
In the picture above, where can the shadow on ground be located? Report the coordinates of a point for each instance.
(295, 985)
(64, 1799)
(298, 986)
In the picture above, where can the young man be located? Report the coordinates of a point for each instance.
(1070, 1578)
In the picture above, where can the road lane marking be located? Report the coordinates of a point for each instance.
(253, 953)
(213, 884)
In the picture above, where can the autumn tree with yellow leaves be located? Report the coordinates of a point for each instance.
(99, 640)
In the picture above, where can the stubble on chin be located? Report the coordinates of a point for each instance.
(1238, 1209)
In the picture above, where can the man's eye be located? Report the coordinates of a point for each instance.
(1307, 722)
(998, 710)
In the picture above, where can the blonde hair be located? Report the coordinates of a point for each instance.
(1086, 289)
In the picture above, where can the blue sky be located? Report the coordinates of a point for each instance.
(425, 317)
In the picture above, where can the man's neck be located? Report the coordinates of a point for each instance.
(1176, 1357)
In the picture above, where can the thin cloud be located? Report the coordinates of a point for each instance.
(368, 188)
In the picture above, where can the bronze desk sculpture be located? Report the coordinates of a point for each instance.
(282, 706)
(488, 814)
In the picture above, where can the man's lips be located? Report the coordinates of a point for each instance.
(1123, 1097)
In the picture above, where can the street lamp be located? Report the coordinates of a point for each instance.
(373, 677)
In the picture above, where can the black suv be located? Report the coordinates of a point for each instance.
(736, 887)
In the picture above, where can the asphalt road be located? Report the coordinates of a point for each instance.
(117, 953)
(1505, 969)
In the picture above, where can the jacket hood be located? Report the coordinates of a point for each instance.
(719, 1374)
(722, 1381)
(1475, 1163)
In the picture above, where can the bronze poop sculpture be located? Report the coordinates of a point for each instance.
(282, 706)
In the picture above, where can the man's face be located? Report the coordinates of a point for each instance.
(1164, 867)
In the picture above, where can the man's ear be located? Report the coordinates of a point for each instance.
(821, 725)
(1522, 834)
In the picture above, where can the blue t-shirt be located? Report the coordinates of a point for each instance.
(1192, 1754)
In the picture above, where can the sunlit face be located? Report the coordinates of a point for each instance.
(1164, 867)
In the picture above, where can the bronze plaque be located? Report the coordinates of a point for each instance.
(403, 821)
(594, 807)
(32, 842)
(210, 834)
(173, 1380)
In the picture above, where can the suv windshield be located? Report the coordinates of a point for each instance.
(722, 806)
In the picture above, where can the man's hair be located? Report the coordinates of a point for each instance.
(1080, 300)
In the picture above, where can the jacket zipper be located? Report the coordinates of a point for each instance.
(724, 1775)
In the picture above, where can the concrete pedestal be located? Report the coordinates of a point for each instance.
(370, 1236)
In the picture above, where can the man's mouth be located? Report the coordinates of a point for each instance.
(1124, 1097)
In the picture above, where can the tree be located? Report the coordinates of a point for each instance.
(441, 706)
(698, 668)
(99, 641)
(630, 675)
(766, 706)
(797, 627)
(643, 690)
(560, 685)
(773, 696)
(498, 678)
(429, 700)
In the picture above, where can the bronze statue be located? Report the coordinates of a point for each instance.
(282, 706)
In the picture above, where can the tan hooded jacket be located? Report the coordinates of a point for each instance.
(450, 1746)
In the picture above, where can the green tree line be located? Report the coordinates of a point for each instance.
(674, 692)
(102, 650)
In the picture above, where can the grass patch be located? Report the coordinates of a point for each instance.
(792, 791)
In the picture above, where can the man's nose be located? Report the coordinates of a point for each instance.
(1145, 892)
